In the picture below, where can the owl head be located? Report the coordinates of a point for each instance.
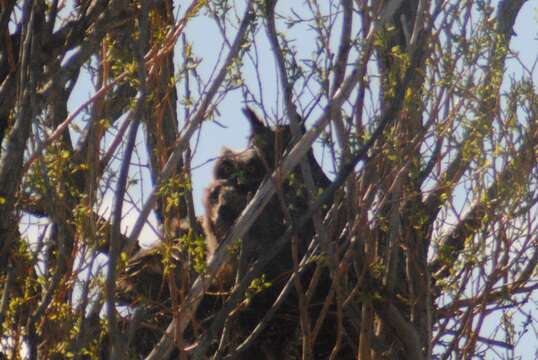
(223, 203)
(269, 143)
(243, 169)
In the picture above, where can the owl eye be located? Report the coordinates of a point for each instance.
(227, 169)
(224, 170)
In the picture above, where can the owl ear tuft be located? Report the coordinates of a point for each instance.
(255, 122)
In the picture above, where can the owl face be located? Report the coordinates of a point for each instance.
(244, 170)
(223, 204)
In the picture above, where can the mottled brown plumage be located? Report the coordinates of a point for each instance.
(223, 204)
(142, 280)
(237, 176)
(270, 144)
(241, 169)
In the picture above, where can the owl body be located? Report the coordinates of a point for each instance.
(237, 176)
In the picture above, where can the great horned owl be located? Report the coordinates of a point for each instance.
(237, 176)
